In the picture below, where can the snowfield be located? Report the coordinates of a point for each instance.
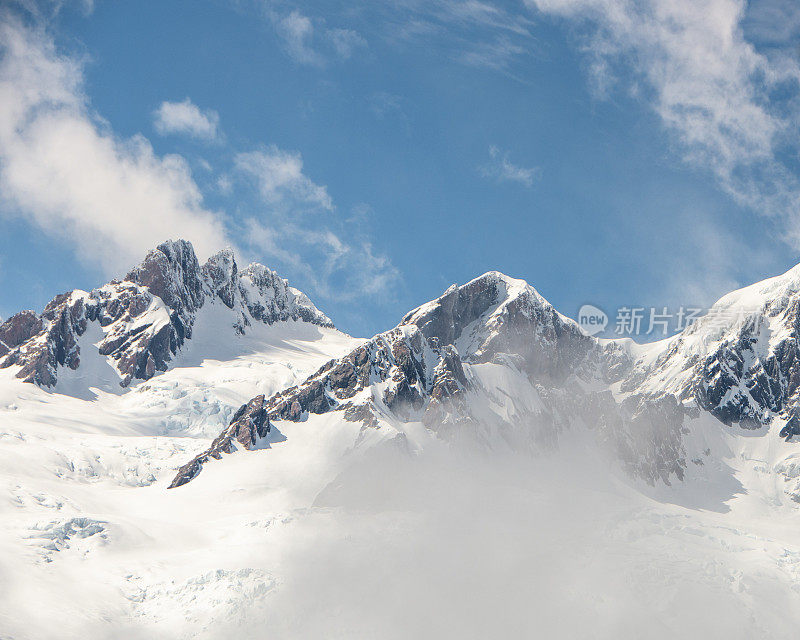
(334, 530)
(84, 481)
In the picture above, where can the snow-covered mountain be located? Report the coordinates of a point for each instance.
(492, 360)
(493, 354)
(740, 362)
(322, 478)
(140, 323)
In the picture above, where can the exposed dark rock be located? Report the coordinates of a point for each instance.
(268, 298)
(791, 428)
(172, 273)
(221, 273)
(361, 413)
(248, 425)
(513, 319)
(17, 329)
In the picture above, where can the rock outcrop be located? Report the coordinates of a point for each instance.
(248, 426)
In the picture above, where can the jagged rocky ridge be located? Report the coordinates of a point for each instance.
(146, 317)
(438, 367)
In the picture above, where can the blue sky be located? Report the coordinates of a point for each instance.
(608, 152)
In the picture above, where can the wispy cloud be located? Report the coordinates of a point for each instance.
(345, 42)
(311, 42)
(472, 32)
(186, 118)
(469, 13)
(774, 22)
(279, 178)
(297, 32)
(344, 267)
(297, 227)
(46, 9)
(383, 103)
(66, 172)
(497, 54)
(731, 109)
(500, 168)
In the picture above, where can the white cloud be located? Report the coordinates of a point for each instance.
(502, 169)
(731, 109)
(66, 172)
(279, 177)
(186, 118)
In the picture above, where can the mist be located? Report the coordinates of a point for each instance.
(459, 543)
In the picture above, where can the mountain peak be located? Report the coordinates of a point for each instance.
(171, 272)
(489, 315)
(221, 273)
(479, 295)
(426, 368)
(145, 319)
(739, 361)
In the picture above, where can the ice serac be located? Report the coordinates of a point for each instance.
(491, 360)
(740, 362)
(146, 318)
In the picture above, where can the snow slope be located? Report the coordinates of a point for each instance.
(84, 479)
